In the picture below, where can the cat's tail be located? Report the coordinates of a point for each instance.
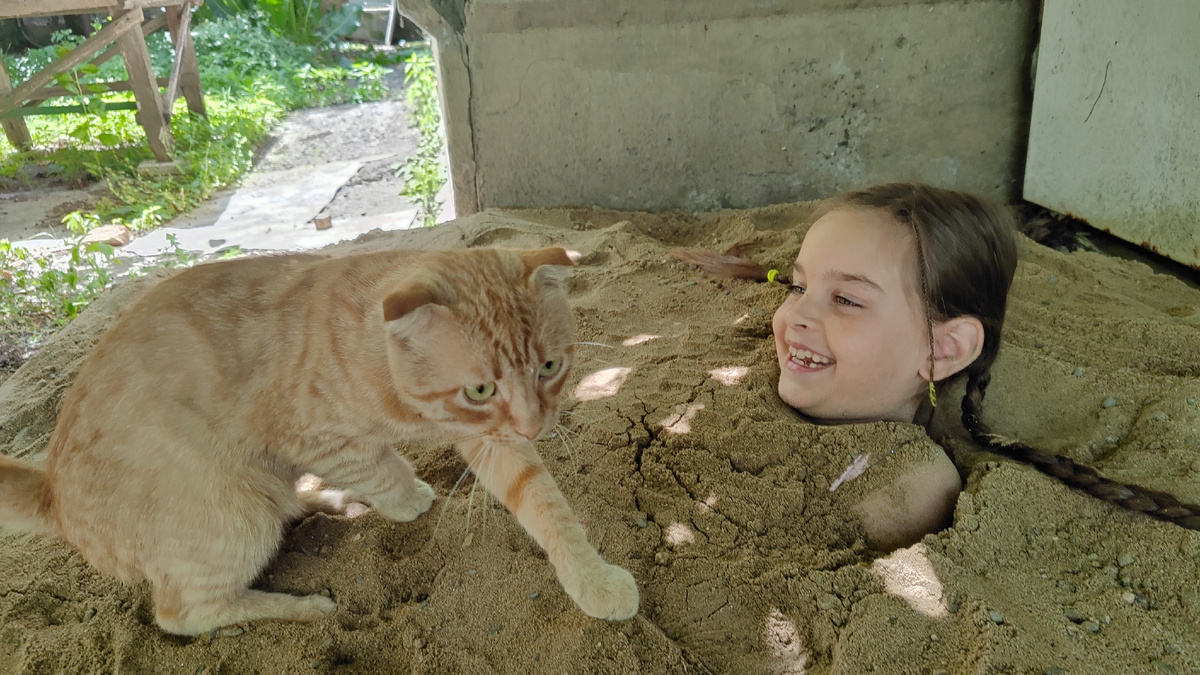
(20, 497)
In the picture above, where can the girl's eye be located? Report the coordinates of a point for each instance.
(845, 303)
(549, 368)
(480, 392)
(797, 289)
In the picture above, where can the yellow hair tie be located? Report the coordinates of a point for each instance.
(932, 395)
(771, 274)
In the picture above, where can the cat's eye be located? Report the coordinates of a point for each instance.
(549, 368)
(481, 392)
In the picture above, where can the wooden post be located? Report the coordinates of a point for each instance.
(150, 113)
(186, 71)
(16, 130)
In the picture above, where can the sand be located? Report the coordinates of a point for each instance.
(686, 468)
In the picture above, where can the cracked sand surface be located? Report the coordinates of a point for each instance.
(745, 560)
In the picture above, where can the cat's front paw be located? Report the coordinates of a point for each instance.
(416, 501)
(313, 607)
(607, 592)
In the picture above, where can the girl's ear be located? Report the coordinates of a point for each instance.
(957, 343)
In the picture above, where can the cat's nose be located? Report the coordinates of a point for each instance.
(530, 427)
(529, 430)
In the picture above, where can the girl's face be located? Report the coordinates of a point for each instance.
(852, 336)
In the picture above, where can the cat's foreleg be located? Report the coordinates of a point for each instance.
(382, 477)
(517, 476)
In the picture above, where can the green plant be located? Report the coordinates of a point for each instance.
(226, 8)
(359, 83)
(80, 223)
(40, 292)
(422, 173)
(304, 21)
(178, 256)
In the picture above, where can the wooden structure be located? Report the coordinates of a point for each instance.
(126, 35)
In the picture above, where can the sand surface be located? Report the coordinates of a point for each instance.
(686, 468)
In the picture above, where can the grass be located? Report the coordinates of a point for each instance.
(251, 78)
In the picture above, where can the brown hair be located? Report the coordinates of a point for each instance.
(966, 257)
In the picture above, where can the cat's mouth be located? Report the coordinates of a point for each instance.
(808, 359)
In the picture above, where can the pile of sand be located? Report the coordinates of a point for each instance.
(686, 468)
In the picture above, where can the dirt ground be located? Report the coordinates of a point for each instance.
(689, 471)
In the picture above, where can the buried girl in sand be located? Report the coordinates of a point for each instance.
(896, 290)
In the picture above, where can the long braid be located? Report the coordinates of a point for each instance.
(1132, 497)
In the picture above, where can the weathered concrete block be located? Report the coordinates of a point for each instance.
(1115, 133)
(649, 104)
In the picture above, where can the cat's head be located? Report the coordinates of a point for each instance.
(480, 341)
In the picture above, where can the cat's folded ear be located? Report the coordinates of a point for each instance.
(547, 268)
(413, 300)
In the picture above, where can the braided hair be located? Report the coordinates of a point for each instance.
(966, 257)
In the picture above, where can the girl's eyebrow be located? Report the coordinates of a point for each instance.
(838, 275)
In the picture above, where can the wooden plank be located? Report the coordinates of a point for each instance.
(181, 24)
(145, 90)
(118, 28)
(15, 130)
(57, 92)
(146, 4)
(23, 8)
(185, 60)
(30, 111)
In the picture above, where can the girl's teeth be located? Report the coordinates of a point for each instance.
(805, 357)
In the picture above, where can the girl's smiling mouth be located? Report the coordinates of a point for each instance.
(802, 357)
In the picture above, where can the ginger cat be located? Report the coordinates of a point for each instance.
(178, 447)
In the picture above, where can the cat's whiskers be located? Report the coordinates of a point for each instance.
(470, 507)
(478, 457)
(468, 438)
(592, 358)
(562, 435)
(490, 496)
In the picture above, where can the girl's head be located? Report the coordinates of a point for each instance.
(886, 278)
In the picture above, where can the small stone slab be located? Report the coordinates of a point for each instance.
(154, 168)
(113, 235)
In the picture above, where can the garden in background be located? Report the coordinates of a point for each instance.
(258, 61)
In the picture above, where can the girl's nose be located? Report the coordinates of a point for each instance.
(800, 314)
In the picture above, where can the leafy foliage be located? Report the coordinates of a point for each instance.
(251, 77)
(36, 293)
(422, 173)
(299, 21)
(359, 83)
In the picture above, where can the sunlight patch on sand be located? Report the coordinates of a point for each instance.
(639, 339)
(729, 375)
(783, 642)
(707, 505)
(601, 384)
(680, 423)
(678, 534)
(908, 574)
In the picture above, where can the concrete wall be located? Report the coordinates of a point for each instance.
(1115, 134)
(701, 104)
